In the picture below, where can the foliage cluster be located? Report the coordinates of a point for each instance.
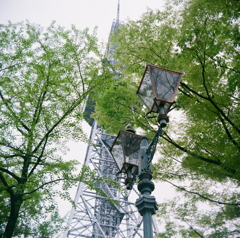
(200, 150)
(45, 77)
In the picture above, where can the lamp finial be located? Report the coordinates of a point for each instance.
(130, 129)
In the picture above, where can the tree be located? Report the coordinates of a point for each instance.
(45, 77)
(201, 149)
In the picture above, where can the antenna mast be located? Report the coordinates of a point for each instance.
(118, 11)
(94, 216)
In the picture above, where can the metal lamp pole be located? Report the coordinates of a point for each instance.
(146, 204)
(157, 91)
(131, 152)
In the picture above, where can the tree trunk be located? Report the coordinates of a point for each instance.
(16, 202)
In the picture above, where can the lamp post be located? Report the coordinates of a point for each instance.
(131, 152)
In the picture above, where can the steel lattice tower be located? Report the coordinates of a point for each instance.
(94, 216)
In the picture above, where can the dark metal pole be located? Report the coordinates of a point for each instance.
(146, 204)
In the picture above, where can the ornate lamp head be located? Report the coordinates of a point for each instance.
(158, 88)
(125, 151)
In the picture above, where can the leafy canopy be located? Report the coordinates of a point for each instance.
(200, 149)
(45, 77)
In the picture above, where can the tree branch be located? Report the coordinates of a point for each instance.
(192, 91)
(192, 228)
(211, 98)
(200, 195)
(8, 188)
(228, 133)
(2, 69)
(13, 148)
(221, 65)
(41, 186)
(13, 114)
(61, 119)
(10, 173)
(225, 116)
(39, 157)
(219, 163)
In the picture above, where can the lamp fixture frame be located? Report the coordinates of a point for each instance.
(172, 78)
(125, 164)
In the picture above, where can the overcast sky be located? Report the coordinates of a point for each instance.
(82, 13)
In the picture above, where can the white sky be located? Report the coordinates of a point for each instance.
(81, 13)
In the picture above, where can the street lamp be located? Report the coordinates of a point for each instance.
(125, 152)
(158, 89)
(131, 152)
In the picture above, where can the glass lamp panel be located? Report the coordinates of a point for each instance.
(145, 90)
(165, 83)
(117, 152)
(131, 147)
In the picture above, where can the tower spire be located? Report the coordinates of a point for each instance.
(118, 11)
